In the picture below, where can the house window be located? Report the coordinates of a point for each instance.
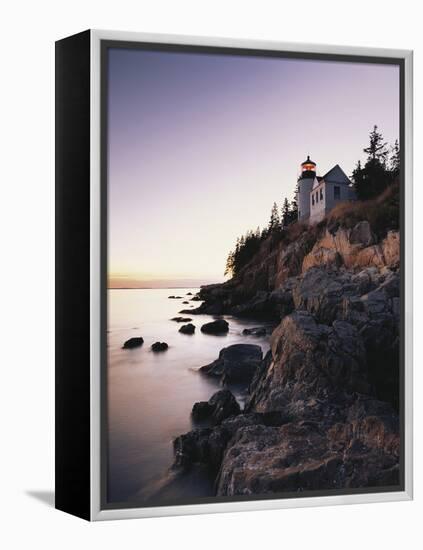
(336, 192)
(312, 199)
(321, 193)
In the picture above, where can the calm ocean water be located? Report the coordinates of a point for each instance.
(150, 395)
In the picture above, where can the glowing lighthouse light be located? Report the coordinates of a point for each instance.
(308, 165)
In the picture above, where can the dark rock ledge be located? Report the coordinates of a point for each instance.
(322, 406)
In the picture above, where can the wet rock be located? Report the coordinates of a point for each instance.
(235, 364)
(185, 302)
(181, 319)
(159, 346)
(220, 326)
(133, 343)
(207, 445)
(220, 406)
(201, 446)
(255, 331)
(187, 329)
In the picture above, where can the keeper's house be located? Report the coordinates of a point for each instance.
(317, 195)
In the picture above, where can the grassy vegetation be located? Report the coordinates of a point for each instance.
(382, 212)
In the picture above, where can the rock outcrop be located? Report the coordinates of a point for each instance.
(235, 364)
(263, 287)
(220, 326)
(159, 346)
(322, 405)
(135, 342)
(187, 329)
(219, 407)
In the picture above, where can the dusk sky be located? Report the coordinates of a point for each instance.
(200, 146)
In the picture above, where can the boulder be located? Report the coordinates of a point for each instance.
(220, 326)
(201, 446)
(207, 445)
(235, 364)
(185, 302)
(181, 319)
(187, 329)
(133, 343)
(220, 406)
(159, 346)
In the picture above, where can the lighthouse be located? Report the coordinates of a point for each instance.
(317, 195)
(305, 185)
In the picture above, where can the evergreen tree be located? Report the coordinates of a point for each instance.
(377, 149)
(293, 207)
(286, 214)
(376, 175)
(274, 221)
(395, 160)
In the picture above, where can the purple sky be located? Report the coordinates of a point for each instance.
(200, 146)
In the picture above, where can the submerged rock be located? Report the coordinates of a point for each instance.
(187, 329)
(181, 319)
(235, 364)
(133, 343)
(220, 326)
(255, 331)
(159, 346)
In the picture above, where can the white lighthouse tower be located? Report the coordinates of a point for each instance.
(305, 185)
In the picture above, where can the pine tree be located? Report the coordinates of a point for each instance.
(293, 207)
(274, 221)
(358, 179)
(395, 160)
(375, 176)
(377, 149)
(286, 214)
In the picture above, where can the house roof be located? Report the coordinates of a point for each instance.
(337, 175)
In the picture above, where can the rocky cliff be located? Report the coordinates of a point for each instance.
(322, 410)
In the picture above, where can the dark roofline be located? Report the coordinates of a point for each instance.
(341, 183)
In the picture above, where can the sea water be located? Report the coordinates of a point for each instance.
(150, 395)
